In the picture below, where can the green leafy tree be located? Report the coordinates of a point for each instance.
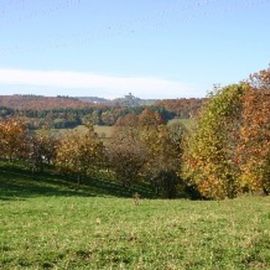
(210, 158)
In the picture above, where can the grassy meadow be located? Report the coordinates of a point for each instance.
(48, 222)
(105, 132)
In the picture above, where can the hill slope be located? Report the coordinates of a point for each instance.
(48, 223)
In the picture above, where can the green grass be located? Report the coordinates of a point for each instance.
(47, 222)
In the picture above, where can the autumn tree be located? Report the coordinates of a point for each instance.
(13, 139)
(144, 148)
(80, 153)
(126, 155)
(183, 107)
(164, 152)
(254, 147)
(260, 80)
(129, 120)
(42, 148)
(210, 158)
(150, 118)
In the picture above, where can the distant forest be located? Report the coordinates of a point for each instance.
(69, 112)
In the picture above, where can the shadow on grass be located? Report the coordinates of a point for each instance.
(18, 184)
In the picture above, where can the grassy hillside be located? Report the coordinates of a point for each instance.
(47, 222)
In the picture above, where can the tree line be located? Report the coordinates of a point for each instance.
(226, 154)
(142, 149)
(65, 112)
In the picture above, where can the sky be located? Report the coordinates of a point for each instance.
(151, 48)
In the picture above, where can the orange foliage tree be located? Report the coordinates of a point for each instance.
(254, 148)
(13, 139)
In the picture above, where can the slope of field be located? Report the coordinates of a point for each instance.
(49, 223)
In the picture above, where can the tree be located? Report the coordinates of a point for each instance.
(126, 155)
(210, 158)
(82, 154)
(42, 150)
(164, 153)
(260, 80)
(129, 120)
(254, 147)
(150, 118)
(147, 150)
(181, 108)
(13, 139)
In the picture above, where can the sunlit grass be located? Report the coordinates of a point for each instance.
(50, 224)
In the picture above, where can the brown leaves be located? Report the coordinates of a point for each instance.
(13, 139)
(81, 153)
(230, 151)
(254, 147)
(210, 156)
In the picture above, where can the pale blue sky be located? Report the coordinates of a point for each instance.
(152, 48)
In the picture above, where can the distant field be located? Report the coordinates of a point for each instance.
(106, 131)
(49, 223)
(188, 123)
(102, 131)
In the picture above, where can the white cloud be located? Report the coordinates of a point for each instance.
(94, 84)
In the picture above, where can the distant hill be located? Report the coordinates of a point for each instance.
(181, 108)
(132, 101)
(96, 100)
(33, 102)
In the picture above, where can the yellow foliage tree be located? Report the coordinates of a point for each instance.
(80, 153)
(210, 157)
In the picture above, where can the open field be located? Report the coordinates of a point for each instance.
(187, 123)
(49, 223)
(106, 131)
(102, 131)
